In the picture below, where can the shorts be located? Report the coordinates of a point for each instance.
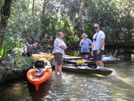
(85, 53)
(58, 58)
(97, 56)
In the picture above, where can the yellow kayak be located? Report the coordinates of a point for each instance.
(50, 56)
(39, 56)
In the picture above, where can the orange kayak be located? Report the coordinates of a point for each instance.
(36, 76)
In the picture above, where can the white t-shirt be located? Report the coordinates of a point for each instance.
(97, 40)
(57, 43)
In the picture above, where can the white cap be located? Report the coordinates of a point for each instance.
(96, 25)
(35, 43)
(84, 34)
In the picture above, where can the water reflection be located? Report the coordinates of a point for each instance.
(41, 93)
(12, 91)
(71, 86)
(60, 89)
(123, 53)
(118, 86)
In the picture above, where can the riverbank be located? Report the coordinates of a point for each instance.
(1, 73)
(10, 74)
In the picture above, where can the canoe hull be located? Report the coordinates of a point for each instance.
(74, 61)
(86, 69)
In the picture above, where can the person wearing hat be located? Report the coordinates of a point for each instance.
(98, 46)
(85, 45)
(30, 48)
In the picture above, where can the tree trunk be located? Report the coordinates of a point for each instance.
(5, 14)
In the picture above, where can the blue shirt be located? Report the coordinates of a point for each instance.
(85, 43)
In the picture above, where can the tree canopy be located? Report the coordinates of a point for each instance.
(24, 21)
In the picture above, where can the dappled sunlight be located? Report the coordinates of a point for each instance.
(68, 78)
(15, 89)
(126, 80)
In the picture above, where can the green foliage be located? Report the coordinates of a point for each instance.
(41, 21)
(73, 38)
(22, 62)
(17, 61)
(2, 52)
(1, 3)
(9, 44)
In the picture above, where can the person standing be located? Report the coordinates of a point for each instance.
(85, 45)
(58, 51)
(98, 46)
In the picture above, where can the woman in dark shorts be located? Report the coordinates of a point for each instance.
(58, 51)
(85, 45)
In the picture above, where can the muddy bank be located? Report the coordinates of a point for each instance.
(10, 74)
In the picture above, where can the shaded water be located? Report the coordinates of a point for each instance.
(70, 86)
(119, 86)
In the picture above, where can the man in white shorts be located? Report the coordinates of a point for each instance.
(98, 46)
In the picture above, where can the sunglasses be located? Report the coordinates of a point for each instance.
(94, 39)
(95, 27)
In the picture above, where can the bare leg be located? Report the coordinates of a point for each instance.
(86, 56)
(56, 67)
(60, 69)
(99, 63)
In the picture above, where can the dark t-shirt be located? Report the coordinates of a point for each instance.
(30, 50)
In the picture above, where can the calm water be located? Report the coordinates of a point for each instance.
(119, 86)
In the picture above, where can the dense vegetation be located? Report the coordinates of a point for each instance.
(23, 21)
